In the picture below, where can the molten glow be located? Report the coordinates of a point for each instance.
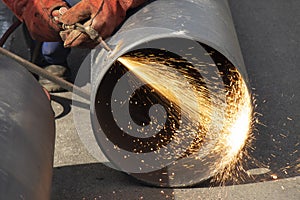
(237, 130)
(238, 133)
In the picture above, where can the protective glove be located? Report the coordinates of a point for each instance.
(37, 15)
(102, 15)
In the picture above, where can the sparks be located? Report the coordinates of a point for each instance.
(200, 107)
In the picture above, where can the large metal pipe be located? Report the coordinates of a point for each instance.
(189, 29)
(27, 133)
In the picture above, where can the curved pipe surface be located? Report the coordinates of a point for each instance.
(27, 133)
(190, 30)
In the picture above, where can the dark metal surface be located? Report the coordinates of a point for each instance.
(9, 31)
(6, 21)
(175, 26)
(26, 135)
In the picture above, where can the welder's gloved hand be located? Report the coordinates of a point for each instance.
(37, 15)
(102, 15)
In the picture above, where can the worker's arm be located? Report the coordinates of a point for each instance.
(37, 15)
(103, 15)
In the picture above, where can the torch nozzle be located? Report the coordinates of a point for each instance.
(90, 31)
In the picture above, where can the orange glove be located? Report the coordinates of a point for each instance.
(37, 15)
(103, 15)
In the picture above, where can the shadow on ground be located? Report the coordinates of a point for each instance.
(97, 181)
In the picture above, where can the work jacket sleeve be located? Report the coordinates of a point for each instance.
(37, 16)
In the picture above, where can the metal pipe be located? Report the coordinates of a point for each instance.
(27, 133)
(9, 31)
(187, 28)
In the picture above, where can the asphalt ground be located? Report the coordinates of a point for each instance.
(268, 32)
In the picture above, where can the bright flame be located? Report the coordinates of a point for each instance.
(239, 132)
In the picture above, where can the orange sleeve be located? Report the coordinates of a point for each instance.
(37, 16)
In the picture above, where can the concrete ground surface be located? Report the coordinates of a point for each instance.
(268, 32)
